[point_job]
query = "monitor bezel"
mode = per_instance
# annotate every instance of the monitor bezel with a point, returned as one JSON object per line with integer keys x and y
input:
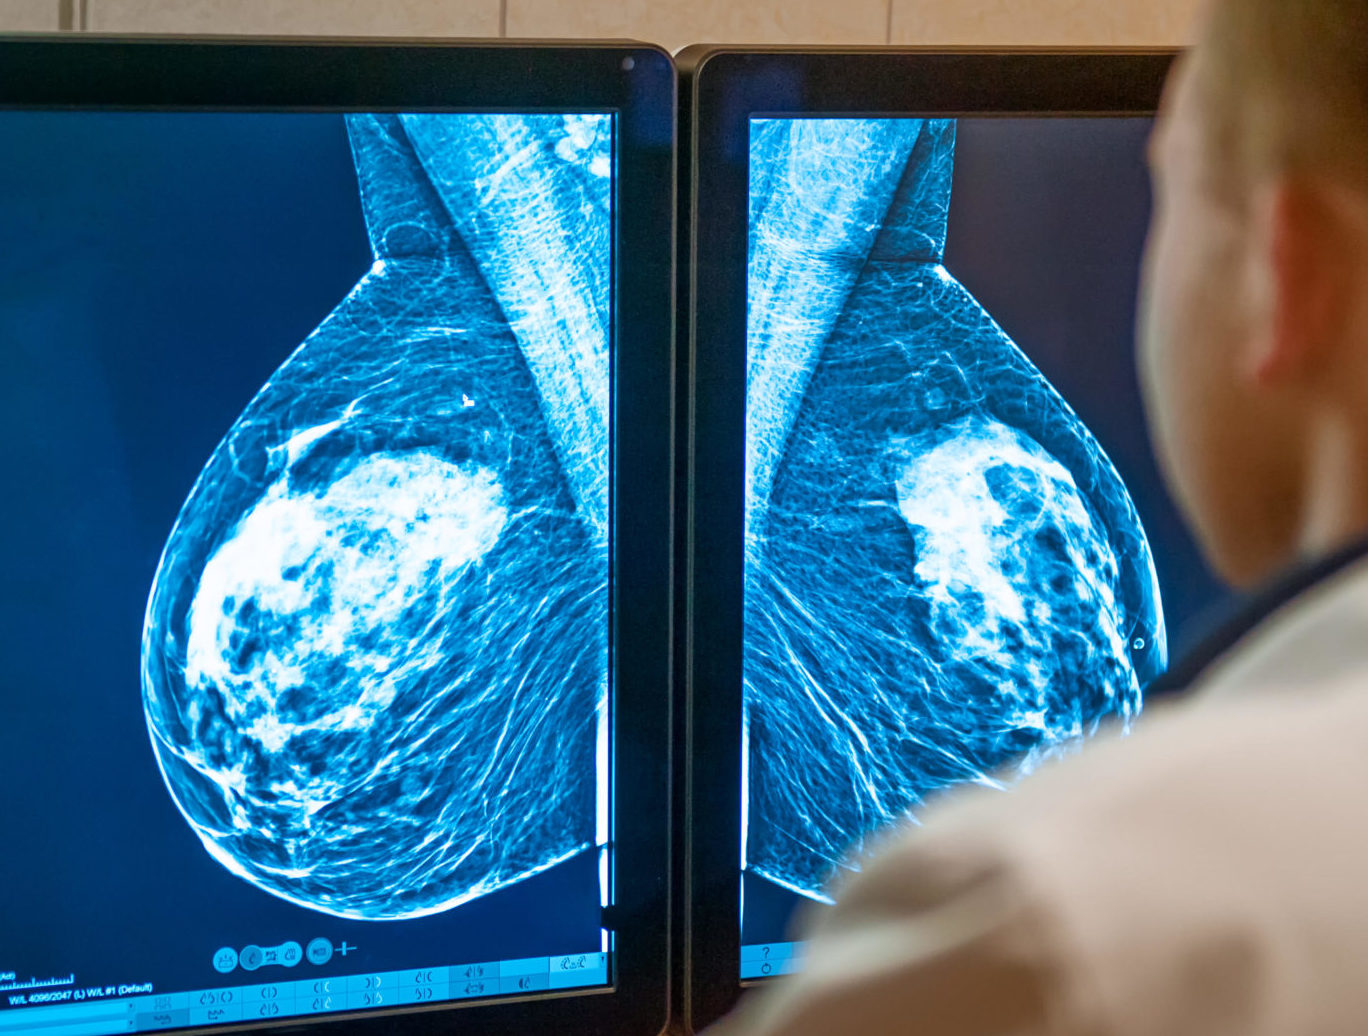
{"x": 637, "y": 82}
{"x": 721, "y": 89}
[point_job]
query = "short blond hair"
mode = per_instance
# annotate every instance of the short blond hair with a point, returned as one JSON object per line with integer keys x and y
{"x": 1288, "y": 80}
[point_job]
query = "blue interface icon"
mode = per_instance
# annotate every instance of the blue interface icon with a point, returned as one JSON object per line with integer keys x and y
{"x": 287, "y": 954}
{"x": 225, "y": 960}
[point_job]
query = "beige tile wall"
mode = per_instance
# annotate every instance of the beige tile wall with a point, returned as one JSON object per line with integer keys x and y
{"x": 672, "y": 23}
{"x": 28, "y": 15}
{"x": 1044, "y": 22}
{"x": 675, "y": 25}
{"x": 298, "y": 17}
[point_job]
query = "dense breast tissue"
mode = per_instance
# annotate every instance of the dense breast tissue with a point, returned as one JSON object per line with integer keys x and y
{"x": 375, "y": 657}
{"x": 946, "y": 580}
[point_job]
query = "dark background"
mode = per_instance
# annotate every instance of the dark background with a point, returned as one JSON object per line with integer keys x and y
{"x": 1047, "y": 225}
{"x": 155, "y": 269}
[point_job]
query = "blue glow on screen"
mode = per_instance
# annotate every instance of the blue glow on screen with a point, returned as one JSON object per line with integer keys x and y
{"x": 947, "y": 581}
{"x": 376, "y": 646}
{"x": 309, "y": 623}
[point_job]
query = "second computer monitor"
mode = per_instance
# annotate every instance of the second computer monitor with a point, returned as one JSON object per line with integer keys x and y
{"x": 931, "y": 548}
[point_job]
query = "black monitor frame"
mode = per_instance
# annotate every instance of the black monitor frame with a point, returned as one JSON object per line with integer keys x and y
{"x": 720, "y": 90}
{"x": 637, "y": 82}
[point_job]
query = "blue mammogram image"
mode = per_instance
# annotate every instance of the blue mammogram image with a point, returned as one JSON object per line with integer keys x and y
{"x": 375, "y": 655}
{"x": 946, "y": 580}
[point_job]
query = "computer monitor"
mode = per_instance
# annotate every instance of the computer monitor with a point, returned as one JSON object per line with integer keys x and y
{"x": 336, "y": 426}
{"x": 929, "y": 545}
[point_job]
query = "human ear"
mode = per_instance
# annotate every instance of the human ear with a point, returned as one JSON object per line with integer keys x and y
{"x": 1302, "y": 254}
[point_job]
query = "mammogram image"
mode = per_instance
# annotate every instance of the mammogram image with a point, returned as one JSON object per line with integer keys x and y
{"x": 946, "y": 580}
{"x": 375, "y": 655}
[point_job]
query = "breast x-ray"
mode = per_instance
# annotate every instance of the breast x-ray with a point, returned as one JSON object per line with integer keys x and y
{"x": 946, "y": 580}
{"x": 375, "y": 655}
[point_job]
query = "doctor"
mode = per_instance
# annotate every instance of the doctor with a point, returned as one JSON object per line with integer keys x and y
{"x": 1208, "y": 875}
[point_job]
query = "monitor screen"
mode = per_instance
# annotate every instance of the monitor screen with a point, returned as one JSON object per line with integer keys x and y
{"x": 960, "y": 561}
{"x": 306, "y": 428}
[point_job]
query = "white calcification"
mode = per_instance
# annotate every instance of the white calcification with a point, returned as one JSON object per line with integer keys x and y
{"x": 964, "y": 534}
{"x": 345, "y": 564}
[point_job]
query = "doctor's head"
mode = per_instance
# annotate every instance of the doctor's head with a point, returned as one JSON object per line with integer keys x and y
{"x": 1254, "y": 336}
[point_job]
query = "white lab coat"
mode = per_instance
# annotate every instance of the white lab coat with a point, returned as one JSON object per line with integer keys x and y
{"x": 1207, "y": 875}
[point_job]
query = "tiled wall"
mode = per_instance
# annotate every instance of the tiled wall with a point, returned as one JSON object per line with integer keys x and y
{"x": 672, "y": 23}
{"x": 28, "y": 15}
{"x": 298, "y": 17}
